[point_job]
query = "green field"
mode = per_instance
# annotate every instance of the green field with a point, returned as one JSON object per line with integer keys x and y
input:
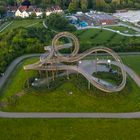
{"x": 123, "y": 29}
{"x": 2, "y": 26}
{"x": 69, "y": 129}
{"x": 57, "y": 99}
{"x": 25, "y": 23}
{"x": 83, "y": 100}
{"x": 91, "y": 37}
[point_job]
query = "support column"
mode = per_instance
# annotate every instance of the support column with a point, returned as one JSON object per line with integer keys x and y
{"x": 77, "y": 69}
{"x": 53, "y": 75}
{"x": 27, "y": 79}
{"x": 40, "y": 73}
{"x": 47, "y": 78}
{"x": 68, "y": 74}
{"x": 96, "y": 62}
{"x": 88, "y": 85}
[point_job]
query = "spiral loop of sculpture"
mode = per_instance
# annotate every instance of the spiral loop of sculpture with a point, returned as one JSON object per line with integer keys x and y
{"x": 71, "y": 37}
{"x": 53, "y": 58}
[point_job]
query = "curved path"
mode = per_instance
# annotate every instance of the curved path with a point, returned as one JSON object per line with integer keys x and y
{"x": 105, "y": 28}
{"x": 12, "y": 66}
{"x": 129, "y": 71}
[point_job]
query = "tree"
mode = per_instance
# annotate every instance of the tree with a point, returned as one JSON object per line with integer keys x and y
{"x": 58, "y": 2}
{"x": 100, "y": 4}
{"x": 58, "y": 22}
{"x": 109, "y": 1}
{"x": 2, "y": 10}
{"x": 33, "y": 15}
{"x": 84, "y": 5}
{"x": 11, "y": 2}
{"x": 72, "y": 6}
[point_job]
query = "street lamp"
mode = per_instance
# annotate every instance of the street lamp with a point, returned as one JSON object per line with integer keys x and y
{"x": 96, "y": 64}
{"x": 109, "y": 62}
{"x": 36, "y": 79}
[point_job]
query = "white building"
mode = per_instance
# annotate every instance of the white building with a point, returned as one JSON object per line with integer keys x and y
{"x": 25, "y": 12}
{"x": 53, "y": 9}
{"x": 22, "y": 12}
{"x": 38, "y": 12}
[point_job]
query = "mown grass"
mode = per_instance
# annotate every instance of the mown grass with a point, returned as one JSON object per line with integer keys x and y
{"x": 82, "y": 99}
{"x": 17, "y": 81}
{"x": 123, "y": 29}
{"x": 2, "y": 26}
{"x": 133, "y": 62}
{"x": 93, "y": 37}
{"x": 69, "y": 129}
{"x": 25, "y": 23}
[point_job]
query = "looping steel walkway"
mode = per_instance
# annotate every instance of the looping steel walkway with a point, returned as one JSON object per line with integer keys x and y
{"x": 54, "y": 58}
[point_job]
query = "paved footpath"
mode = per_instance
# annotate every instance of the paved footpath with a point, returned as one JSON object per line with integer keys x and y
{"x": 12, "y": 66}
{"x": 71, "y": 115}
{"x": 109, "y": 29}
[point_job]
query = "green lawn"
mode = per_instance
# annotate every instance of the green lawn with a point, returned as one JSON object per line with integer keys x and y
{"x": 123, "y": 29}
{"x": 25, "y": 23}
{"x": 133, "y": 62}
{"x": 69, "y": 129}
{"x": 2, "y": 26}
{"x": 19, "y": 78}
{"x": 93, "y": 37}
{"x": 82, "y": 100}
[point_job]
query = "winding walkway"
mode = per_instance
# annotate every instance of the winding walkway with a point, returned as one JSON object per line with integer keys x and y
{"x": 12, "y": 66}
{"x": 108, "y": 29}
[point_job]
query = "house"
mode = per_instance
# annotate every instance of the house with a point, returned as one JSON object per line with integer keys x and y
{"x": 53, "y": 9}
{"x": 24, "y": 11}
{"x": 38, "y": 12}
{"x": 102, "y": 18}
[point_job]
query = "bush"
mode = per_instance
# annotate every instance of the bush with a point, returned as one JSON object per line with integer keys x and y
{"x": 59, "y": 23}
{"x": 22, "y": 41}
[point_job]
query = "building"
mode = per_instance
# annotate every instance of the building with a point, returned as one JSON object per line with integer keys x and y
{"x": 38, "y": 12}
{"x": 84, "y": 19}
{"x": 101, "y": 18}
{"x": 53, "y": 9}
{"x": 22, "y": 12}
{"x": 25, "y": 12}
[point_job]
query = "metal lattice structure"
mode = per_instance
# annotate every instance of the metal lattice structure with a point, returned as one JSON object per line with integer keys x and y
{"x": 54, "y": 61}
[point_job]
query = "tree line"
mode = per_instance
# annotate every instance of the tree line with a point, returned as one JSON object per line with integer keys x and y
{"x": 76, "y": 5}
{"x": 22, "y": 41}
{"x": 19, "y": 41}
